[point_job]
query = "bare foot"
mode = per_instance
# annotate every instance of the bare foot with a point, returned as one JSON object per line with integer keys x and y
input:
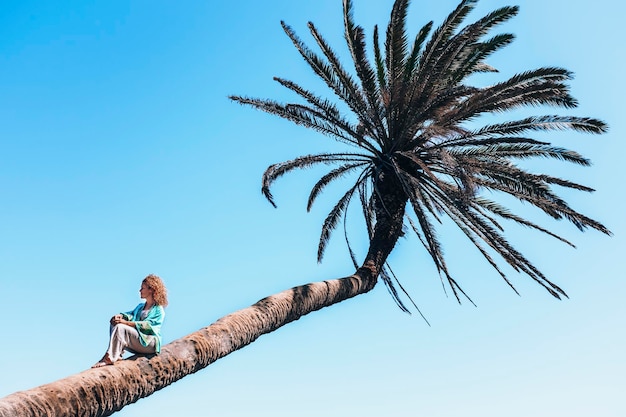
{"x": 105, "y": 361}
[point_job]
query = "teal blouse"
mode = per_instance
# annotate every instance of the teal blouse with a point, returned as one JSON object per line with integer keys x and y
{"x": 150, "y": 326}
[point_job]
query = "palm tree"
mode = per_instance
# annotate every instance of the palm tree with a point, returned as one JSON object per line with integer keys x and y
{"x": 408, "y": 145}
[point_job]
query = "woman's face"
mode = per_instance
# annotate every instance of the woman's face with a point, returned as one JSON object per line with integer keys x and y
{"x": 145, "y": 291}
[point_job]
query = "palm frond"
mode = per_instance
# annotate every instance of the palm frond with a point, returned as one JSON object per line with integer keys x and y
{"x": 443, "y": 33}
{"x": 466, "y": 219}
{"x": 436, "y": 45}
{"x": 328, "y": 178}
{"x": 541, "y": 123}
{"x": 518, "y": 148}
{"x": 380, "y": 66}
{"x": 340, "y": 82}
{"x": 332, "y": 219}
{"x": 391, "y": 288}
{"x": 462, "y": 46}
{"x": 391, "y": 282}
{"x": 543, "y": 199}
{"x": 428, "y": 234}
{"x": 397, "y": 43}
{"x": 300, "y": 115}
{"x": 543, "y": 86}
{"x": 411, "y": 67}
{"x": 503, "y": 212}
{"x": 273, "y": 172}
{"x": 472, "y": 60}
{"x": 548, "y": 179}
{"x": 331, "y": 113}
{"x": 355, "y": 40}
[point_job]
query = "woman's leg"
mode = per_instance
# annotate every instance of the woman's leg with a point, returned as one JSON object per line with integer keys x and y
{"x": 134, "y": 343}
{"x": 125, "y": 337}
{"x": 122, "y": 338}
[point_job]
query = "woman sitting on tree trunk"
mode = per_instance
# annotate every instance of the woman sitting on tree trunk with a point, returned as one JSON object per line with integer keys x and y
{"x": 139, "y": 330}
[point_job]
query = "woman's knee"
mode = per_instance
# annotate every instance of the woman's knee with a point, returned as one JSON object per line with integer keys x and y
{"x": 117, "y": 328}
{"x": 122, "y": 332}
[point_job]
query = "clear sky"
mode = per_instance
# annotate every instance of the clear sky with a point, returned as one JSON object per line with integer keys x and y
{"x": 120, "y": 156}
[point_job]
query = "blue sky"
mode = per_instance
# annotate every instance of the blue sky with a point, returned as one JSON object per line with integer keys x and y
{"x": 120, "y": 156}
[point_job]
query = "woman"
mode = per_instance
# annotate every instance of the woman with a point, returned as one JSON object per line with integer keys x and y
{"x": 139, "y": 330}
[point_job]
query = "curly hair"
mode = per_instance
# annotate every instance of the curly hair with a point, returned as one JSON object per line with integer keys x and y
{"x": 158, "y": 288}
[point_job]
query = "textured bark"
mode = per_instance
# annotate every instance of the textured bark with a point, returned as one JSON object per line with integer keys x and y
{"x": 103, "y": 391}
{"x": 389, "y": 218}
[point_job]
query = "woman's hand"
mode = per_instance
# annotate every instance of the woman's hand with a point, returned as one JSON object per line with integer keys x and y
{"x": 119, "y": 319}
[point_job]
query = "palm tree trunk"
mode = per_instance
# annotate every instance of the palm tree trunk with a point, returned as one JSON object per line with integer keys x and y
{"x": 103, "y": 391}
{"x": 389, "y": 218}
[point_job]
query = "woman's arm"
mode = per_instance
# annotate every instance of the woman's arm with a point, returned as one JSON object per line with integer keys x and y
{"x": 119, "y": 319}
{"x": 126, "y": 318}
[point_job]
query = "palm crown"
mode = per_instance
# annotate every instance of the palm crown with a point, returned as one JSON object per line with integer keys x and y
{"x": 409, "y": 107}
